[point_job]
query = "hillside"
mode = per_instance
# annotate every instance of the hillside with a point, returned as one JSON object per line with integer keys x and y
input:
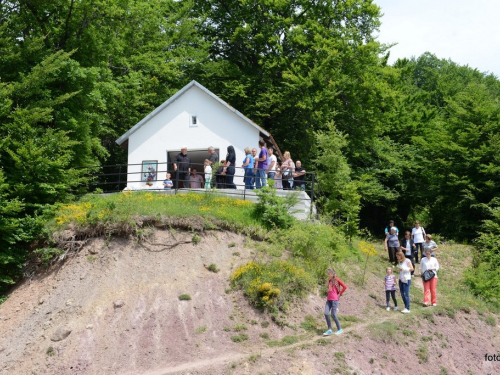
{"x": 119, "y": 298}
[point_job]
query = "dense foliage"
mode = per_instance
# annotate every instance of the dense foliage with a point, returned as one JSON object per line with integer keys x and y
{"x": 416, "y": 140}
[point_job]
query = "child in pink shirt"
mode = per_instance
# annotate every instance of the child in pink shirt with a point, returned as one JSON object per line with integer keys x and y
{"x": 335, "y": 289}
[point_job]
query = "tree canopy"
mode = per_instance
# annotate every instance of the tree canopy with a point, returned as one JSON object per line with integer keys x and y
{"x": 416, "y": 140}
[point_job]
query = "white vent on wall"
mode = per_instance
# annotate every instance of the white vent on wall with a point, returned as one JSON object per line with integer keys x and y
{"x": 193, "y": 121}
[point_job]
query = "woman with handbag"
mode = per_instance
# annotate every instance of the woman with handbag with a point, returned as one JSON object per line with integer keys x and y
{"x": 287, "y": 169}
{"x": 428, "y": 269}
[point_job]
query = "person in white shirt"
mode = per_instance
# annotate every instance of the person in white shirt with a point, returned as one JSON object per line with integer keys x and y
{"x": 405, "y": 268}
{"x": 271, "y": 166}
{"x": 208, "y": 173}
{"x": 418, "y": 235}
{"x": 429, "y": 263}
{"x": 430, "y": 244}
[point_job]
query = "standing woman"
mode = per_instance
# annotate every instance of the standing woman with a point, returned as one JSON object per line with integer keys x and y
{"x": 429, "y": 263}
{"x": 405, "y": 268}
{"x": 286, "y": 170}
{"x": 248, "y": 166}
{"x": 430, "y": 244}
{"x": 418, "y": 235}
{"x": 392, "y": 245}
{"x": 229, "y": 167}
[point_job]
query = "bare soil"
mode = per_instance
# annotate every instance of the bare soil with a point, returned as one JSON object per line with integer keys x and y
{"x": 120, "y": 300}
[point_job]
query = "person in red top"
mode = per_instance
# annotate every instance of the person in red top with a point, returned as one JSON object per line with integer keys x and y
{"x": 335, "y": 289}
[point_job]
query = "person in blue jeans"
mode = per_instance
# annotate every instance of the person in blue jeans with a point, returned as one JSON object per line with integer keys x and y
{"x": 248, "y": 166}
{"x": 262, "y": 163}
{"x": 405, "y": 268}
{"x": 335, "y": 289}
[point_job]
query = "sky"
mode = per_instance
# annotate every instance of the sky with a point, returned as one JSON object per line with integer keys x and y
{"x": 467, "y": 32}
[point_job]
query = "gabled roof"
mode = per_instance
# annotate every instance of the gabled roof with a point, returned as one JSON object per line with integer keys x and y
{"x": 124, "y": 138}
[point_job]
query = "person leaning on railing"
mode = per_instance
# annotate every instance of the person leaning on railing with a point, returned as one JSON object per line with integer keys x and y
{"x": 248, "y": 166}
{"x": 298, "y": 176}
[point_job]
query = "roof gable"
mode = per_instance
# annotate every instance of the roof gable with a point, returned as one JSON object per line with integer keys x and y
{"x": 124, "y": 138}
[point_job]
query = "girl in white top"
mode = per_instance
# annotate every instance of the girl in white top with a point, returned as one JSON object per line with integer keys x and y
{"x": 405, "y": 267}
{"x": 429, "y": 263}
{"x": 208, "y": 173}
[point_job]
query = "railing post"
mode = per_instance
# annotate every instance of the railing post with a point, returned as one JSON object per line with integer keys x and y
{"x": 176, "y": 180}
{"x": 312, "y": 195}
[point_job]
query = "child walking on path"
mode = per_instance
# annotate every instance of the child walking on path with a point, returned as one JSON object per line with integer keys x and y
{"x": 335, "y": 289}
{"x": 390, "y": 289}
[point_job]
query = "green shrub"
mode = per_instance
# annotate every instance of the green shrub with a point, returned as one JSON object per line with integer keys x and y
{"x": 240, "y": 327}
{"x": 213, "y": 268}
{"x": 264, "y": 335}
{"x": 273, "y": 211}
{"x": 239, "y": 338}
{"x": 273, "y": 283}
{"x": 483, "y": 276}
{"x": 185, "y": 297}
{"x": 232, "y": 244}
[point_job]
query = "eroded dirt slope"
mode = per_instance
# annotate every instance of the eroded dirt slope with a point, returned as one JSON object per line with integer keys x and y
{"x": 120, "y": 301}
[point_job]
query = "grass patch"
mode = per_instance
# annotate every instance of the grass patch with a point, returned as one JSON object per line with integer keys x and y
{"x": 50, "y": 351}
{"x": 491, "y": 320}
{"x": 322, "y": 342}
{"x": 239, "y": 338}
{"x": 310, "y": 324}
{"x": 383, "y": 332}
{"x": 201, "y": 329}
{"x": 213, "y": 268}
{"x": 264, "y": 335}
{"x": 196, "y": 239}
{"x": 236, "y": 254}
{"x": 185, "y": 297}
{"x": 232, "y": 244}
{"x": 254, "y": 358}
{"x": 226, "y": 329}
{"x": 264, "y": 324}
{"x": 285, "y": 341}
{"x": 240, "y": 327}
{"x": 91, "y": 258}
{"x": 423, "y": 353}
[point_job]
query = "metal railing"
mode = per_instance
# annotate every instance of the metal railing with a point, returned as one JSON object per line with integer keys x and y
{"x": 119, "y": 177}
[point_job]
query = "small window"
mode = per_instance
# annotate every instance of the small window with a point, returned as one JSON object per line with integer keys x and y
{"x": 194, "y": 121}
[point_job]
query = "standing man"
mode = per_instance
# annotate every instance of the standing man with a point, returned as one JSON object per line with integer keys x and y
{"x": 262, "y": 163}
{"x": 299, "y": 176}
{"x": 271, "y": 168}
{"x": 212, "y": 155}
{"x": 182, "y": 162}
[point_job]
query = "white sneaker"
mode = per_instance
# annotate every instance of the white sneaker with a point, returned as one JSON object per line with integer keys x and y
{"x": 388, "y": 308}
{"x": 405, "y": 311}
{"x": 396, "y": 308}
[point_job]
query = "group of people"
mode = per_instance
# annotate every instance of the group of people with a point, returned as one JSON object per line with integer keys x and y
{"x": 259, "y": 168}
{"x": 404, "y": 254}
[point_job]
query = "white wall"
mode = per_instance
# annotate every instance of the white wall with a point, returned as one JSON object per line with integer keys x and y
{"x": 170, "y": 130}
